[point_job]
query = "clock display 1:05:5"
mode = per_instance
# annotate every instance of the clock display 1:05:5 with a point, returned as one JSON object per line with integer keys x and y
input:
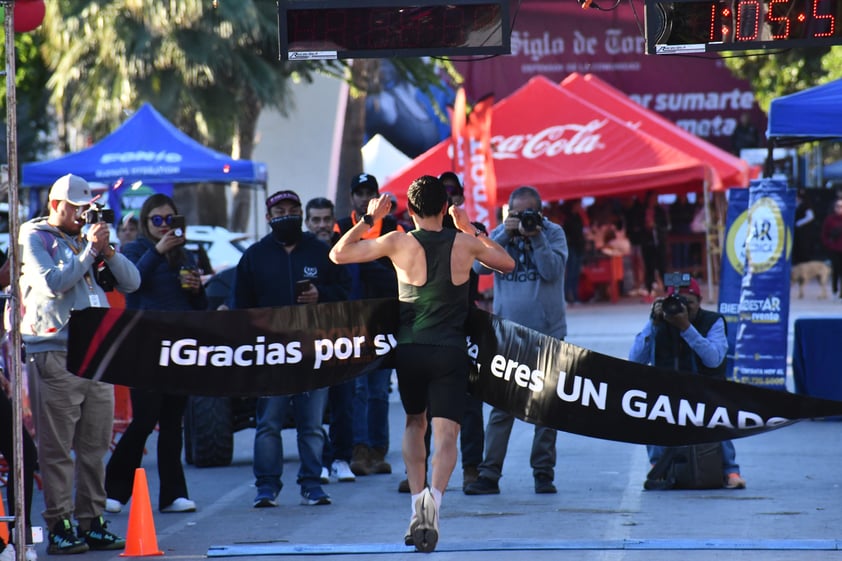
{"x": 735, "y": 21}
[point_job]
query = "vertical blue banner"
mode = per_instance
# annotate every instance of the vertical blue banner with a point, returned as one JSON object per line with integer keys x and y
{"x": 760, "y": 353}
{"x": 733, "y": 267}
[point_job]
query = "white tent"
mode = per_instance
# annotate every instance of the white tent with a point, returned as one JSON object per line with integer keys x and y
{"x": 382, "y": 160}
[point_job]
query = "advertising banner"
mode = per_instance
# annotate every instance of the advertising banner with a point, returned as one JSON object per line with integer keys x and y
{"x": 480, "y": 180}
{"x": 733, "y": 267}
{"x": 761, "y": 346}
{"x": 553, "y": 39}
{"x": 537, "y": 378}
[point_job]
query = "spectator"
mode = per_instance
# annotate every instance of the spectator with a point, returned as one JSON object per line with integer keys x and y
{"x": 30, "y": 460}
{"x": 634, "y": 219}
{"x": 371, "y": 280}
{"x": 692, "y": 340}
{"x": 267, "y": 275}
{"x": 540, "y": 253}
{"x": 681, "y": 214}
{"x": 73, "y": 415}
{"x": 127, "y": 230}
{"x": 653, "y": 243}
{"x": 574, "y": 230}
{"x": 745, "y": 135}
{"x": 832, "y": 240}
{"x": 336, "y": 457}
{"x": 169, "y": 281}
{"x": 431, "y": 356}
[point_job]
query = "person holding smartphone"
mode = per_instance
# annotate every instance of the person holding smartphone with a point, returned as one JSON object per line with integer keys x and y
{"x": 170, "y": 281}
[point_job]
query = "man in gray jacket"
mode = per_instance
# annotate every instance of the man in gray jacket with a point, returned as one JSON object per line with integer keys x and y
{"x": 533, "y": 296}
{"x": 73, "y": 415}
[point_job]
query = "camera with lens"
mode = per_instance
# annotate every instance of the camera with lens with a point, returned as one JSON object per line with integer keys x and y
{"x": 97, "y": 214}
{"x": 675, "y": 303}
{"x": 530, "y": 220}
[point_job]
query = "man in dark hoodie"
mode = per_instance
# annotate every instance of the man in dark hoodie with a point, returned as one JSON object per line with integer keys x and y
{"x": 288, "y": 267}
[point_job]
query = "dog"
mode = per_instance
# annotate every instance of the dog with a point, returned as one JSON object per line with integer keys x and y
{"x": 808, "y": 270}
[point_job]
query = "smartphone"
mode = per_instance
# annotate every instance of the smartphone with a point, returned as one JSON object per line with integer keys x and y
{"x": 301, "y": 287}
{"x": 178, "y": 225}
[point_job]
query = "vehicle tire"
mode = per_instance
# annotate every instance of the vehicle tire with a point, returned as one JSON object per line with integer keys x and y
{"x": 208, "y": 431}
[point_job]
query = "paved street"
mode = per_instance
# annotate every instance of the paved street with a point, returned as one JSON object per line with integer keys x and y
{"x": 791, "y": 510}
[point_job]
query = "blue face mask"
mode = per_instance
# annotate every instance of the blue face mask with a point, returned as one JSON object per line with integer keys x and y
{"x": 287, "y": 229}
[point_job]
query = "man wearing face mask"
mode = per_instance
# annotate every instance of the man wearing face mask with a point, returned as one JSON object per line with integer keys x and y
{"x": 288, "y": 267}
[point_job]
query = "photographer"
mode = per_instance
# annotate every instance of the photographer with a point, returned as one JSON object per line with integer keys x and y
{"x": 73, "y": 415}
{"x": 680, "y": 335}
{"x": 533, "y": 296}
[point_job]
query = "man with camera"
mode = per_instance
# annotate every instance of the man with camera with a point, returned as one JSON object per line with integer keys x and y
{"x": 533, "y": 296}
{"x": 680, "y": 335}
{"x": 62, "y": 270}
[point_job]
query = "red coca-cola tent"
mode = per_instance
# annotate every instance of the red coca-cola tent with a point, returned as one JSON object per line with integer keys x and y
{"x": 565, "y": 147}
{"x": 731, "y": 171}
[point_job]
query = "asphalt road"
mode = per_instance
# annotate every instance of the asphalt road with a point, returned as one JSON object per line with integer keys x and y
{"x": 791, "y": 509}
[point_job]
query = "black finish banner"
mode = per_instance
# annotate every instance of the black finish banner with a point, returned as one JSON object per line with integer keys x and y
{"x": 275, "y": 351}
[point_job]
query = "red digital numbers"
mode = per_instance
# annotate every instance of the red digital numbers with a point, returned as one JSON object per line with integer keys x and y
{"x": 780, "y": 23}
{"x": 776, "y": 20}
{"x": 827, "y": 19}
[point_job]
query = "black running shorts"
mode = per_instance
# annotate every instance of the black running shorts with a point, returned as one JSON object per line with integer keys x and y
{"x": 432, "y": 374}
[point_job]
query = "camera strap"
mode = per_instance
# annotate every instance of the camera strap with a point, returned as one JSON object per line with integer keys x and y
{"x": 93, "y": 297}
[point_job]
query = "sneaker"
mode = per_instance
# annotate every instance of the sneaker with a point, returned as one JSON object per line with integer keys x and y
{"x": 324, "y": 478}
{"x": 403, "y": 486}
{"x": 425, "y": 535}
{"x": 482, "y": 486}
{"x": 469, "y": 475}
{"x": 342, "y": 471}
{"x": 314, "y": 496}
{"x": 734, "y": 481}
{"x": 63, "y": 540}
{"x": 265, "y": 499}
{"x": 113, "y": 506}
{"x": 407, "y": 538}
{"x": 99, "y": 538}
{"x": 30, "y": 554}
{"x": 544, "y": 485}
{"x": 181, "y": 504}
{"x": 8, "y": 553}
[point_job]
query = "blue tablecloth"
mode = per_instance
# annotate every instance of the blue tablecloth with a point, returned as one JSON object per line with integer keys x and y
{"x": 817, "y": 357}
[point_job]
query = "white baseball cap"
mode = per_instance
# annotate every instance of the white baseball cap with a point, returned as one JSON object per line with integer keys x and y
{"x": 71, "y": 188}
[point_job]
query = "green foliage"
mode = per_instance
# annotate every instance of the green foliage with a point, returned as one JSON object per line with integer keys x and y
{"x": 776, "y": 74}
{"x": 32, "y": 99}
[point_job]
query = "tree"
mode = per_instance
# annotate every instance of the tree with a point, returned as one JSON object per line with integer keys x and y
{"x": 209, "y": 70}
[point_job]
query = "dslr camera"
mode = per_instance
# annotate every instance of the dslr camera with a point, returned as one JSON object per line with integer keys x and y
{"x": 97, "y": 214}
{"x": 675, "y": 303}
{"x": 530, "y": 220}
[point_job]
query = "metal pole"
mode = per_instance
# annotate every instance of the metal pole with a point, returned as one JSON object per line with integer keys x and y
{"x": 13, "y": 302}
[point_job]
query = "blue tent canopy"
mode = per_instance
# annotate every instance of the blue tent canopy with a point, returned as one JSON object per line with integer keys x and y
{"x": 811, "y": 114}
{"x": 149, "y": 149}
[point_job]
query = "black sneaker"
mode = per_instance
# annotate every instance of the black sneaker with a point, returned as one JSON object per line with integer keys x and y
{"x": 544, "y": 485}
{"x": 63, "y": 540}
{"x": 98, "y": 537}
{"x": 482, "y": 486}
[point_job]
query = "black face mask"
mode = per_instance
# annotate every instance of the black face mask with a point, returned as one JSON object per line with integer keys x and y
{"x": 287, "y": 229}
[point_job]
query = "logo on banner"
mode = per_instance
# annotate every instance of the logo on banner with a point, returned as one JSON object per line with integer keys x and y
{"x": 568, "y": 139}
{"x": 735, "y": 243}
{"x": 141, "y": 156}
{"x": 766, "y": 235}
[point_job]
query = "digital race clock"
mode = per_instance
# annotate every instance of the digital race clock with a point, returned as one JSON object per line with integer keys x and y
{"x": 738, "y": 25}
{"x": 331, "y": 29}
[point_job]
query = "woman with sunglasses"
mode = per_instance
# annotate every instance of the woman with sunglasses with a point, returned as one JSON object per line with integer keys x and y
{"x": 169, "y": 282}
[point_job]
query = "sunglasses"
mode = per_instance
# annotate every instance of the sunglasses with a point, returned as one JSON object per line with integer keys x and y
{"x": 158, "y": 220}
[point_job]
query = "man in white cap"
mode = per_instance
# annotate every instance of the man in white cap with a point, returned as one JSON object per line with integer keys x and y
{"x": 72, "y": 414}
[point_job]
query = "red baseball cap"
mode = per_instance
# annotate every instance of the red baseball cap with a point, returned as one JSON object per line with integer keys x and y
{"x": 693, "y": 289}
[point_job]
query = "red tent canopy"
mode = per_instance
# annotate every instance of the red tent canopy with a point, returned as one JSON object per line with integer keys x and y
{"x": 731, "y": 171}
{"x": 548, "y": 138}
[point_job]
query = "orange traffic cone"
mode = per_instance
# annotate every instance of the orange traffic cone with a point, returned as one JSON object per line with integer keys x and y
{"x": 141, "y": 540}
{"x": 4, "y": 528}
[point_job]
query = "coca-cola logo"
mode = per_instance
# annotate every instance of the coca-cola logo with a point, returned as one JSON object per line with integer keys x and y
{"x": 568, "y": 139}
